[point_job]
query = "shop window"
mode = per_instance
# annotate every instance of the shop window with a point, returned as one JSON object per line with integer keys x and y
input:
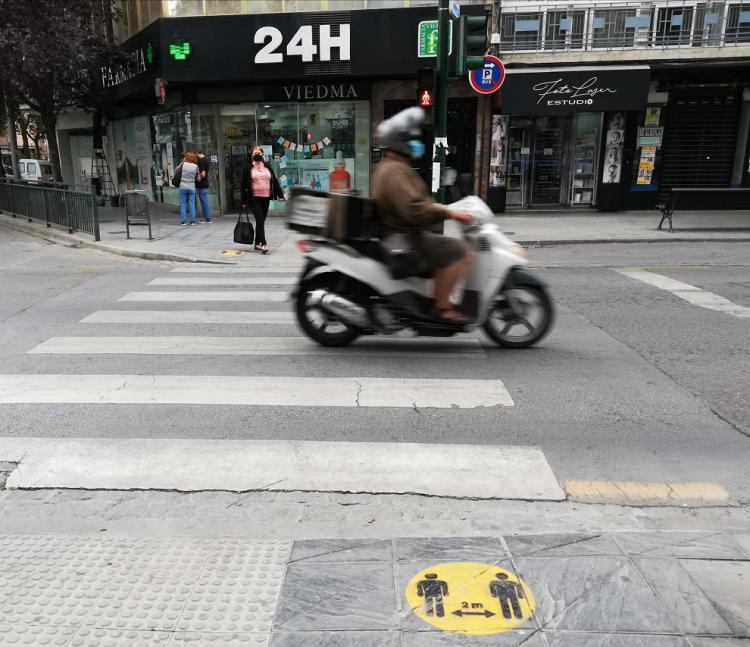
{"x": 738, "y": 24}
{"x": 673, "y": 26}
{"x": 707, "y": 30}
{"x": 150, "y": 11}
{"x": 565, "y": 30}
{"x": 302, "y": 5}
{"x": 217, "y": 7}
{"x": 178, "y": 8}
{"x": 323, "y": 146}
{"x": 609, "y": 28}
{"x": 521, "y": 31}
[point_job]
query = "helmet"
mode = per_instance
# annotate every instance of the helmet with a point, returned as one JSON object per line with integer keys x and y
{"x": 395, "y": 133}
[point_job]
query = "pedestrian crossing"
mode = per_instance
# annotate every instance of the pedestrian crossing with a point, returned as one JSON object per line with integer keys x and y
{"x": 383, "y": 374}
{"x": 399, "y": 389}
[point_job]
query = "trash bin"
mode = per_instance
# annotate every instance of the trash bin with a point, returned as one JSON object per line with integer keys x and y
{"x": 137, "y": 211}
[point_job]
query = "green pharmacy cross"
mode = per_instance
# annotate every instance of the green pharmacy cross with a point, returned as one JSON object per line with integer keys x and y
{"x": 179, "y": 50}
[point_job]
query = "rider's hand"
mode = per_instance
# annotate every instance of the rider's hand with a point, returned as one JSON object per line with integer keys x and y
{"x": 461, "y": 216}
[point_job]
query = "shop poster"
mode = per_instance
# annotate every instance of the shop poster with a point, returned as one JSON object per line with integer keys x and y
{"x": 646, "y": 165}
{"x": 497, "y": 150}
{"x": 653, "y": 114}
{"x": 612, "y": 167}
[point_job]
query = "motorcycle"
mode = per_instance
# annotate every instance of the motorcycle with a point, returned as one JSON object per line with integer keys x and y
{"x": 346, "y": 289}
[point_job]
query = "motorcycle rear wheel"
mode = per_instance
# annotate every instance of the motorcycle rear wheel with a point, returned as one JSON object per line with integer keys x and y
{"x": 505, "y": 318}
{"x": 319, "y": 325}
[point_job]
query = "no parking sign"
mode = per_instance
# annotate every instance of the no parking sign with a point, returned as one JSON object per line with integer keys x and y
{"x": 488, "y": 78}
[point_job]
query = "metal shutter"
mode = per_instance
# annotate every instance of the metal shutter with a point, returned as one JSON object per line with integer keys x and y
{"x": 700, "y": 137}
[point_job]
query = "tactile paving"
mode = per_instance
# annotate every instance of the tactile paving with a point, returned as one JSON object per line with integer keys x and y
{"x": 88, "y": 591}
{"x": 34, "y": 635}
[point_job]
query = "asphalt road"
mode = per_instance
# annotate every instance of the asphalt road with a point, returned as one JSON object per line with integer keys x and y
{"x": 634, "y": 383}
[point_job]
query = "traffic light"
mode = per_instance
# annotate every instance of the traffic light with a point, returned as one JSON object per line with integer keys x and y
{"x": 471, "y": 43}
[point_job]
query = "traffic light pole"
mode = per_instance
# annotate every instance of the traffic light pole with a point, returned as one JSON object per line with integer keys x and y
{"x": 441, "y": 93}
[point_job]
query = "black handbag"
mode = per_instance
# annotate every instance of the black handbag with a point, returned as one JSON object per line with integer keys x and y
{"x": 244, "y": 232}
{"x": 177, "y": 177}
{"x": 401, "y": 254}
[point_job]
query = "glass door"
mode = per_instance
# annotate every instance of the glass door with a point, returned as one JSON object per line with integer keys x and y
{"x": 548, "y": 160}
{"x": 585, "y": 147}
{"x": 519, "y": 149}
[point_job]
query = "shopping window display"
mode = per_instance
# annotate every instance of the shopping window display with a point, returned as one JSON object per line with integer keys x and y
{"x": 176, "y": 133}
{"x": 322, "y": 146}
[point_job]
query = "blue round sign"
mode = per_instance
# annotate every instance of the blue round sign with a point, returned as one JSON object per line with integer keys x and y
{"x": 488, "y": 78}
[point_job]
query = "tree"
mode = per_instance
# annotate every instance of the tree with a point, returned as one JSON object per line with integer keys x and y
{"x": 50, "y": 51}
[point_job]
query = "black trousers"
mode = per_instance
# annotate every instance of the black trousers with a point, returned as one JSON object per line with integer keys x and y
{"x": 259, "y": 207}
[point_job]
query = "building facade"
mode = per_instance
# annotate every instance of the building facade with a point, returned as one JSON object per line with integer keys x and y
{"x": 610, "y": 104}
{"x": 309, "y": 87}
{"x": 605, "y": 104}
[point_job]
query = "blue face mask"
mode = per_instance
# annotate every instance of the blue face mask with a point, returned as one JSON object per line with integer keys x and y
{"x": 416, "y": 148}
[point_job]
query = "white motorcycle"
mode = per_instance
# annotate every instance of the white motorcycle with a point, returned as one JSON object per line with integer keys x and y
{"x": 347, "y": 290}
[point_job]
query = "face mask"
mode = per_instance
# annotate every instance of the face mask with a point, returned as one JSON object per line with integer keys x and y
{"x": 257, "y": 157}
{"x": 416, "y": 148}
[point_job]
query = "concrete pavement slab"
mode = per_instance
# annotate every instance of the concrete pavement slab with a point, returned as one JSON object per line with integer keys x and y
{"x": 93, "y": 590}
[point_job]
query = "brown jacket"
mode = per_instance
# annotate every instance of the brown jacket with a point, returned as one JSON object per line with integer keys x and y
{"x": 402, "y": 199}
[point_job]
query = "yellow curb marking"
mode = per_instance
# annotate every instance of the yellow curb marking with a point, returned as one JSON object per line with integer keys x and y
{"x": 232, "y": 252}
{"x": 639, "y": 491}
{"x": 470, "y": 598}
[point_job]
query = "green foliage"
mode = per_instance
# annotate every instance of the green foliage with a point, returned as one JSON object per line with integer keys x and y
{"x": 51, "y": 49}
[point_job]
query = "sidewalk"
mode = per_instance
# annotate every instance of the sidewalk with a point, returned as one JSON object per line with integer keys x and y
{"x": 207, "y": 242}
{"x": 622, "y": 589}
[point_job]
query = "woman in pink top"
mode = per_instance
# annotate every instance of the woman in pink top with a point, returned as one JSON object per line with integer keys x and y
{"x": 259, "y": 187}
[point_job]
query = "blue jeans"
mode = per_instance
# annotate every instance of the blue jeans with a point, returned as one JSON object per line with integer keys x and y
{"x": 187, "y": 195}
{"x": 205, "y": 207}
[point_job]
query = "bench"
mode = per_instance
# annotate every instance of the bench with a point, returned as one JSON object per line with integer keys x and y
{"x": 694, "y": 193}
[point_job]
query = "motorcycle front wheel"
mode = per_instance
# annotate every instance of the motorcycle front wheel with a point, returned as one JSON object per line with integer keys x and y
{"x": 319, "y": 325}
{"x": 520, "y": 317}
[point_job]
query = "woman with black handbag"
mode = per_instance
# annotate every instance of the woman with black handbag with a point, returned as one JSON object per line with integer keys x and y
{"x": 259, "y": 187}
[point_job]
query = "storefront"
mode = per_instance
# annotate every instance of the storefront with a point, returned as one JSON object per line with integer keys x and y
{"x": 559, "y": 137}
{"x": 301, "y": 85}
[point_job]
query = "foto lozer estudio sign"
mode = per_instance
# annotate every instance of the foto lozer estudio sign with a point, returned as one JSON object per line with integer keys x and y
{"x": 555, "y": 91}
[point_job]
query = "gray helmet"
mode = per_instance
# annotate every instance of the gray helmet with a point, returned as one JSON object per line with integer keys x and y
{"x": 395, "y": 133}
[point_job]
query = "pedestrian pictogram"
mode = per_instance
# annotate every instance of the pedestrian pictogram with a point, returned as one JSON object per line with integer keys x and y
{"x": 425, "y": 98}
{"x": 470, "y": 597}
{"x": 488, "y": 78}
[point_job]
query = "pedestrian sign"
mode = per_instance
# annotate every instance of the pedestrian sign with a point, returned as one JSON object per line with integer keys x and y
{"x": 488, "y": 78}
{"x": 470, "y": 598}
{"x": 427, "y": 40}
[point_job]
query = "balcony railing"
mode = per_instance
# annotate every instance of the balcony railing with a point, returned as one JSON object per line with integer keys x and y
{"x": 592, "y": 25}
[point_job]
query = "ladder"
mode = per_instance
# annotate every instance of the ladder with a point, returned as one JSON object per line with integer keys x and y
{"x": 100, "y": 176}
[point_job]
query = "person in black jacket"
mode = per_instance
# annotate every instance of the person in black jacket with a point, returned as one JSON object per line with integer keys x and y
{"x": 259, "y": 187}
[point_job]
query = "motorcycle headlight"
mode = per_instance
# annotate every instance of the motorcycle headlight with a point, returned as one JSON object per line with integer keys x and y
{"x": 518, "y": 250}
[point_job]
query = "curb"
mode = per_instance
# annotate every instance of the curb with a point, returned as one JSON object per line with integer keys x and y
{"x": 604, "y": 241}
{"x": 58, "y": 237}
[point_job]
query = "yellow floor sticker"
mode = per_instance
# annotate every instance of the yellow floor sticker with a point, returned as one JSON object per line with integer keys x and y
{"x": 232, "y": 252}
{"x": 470, "y": 597}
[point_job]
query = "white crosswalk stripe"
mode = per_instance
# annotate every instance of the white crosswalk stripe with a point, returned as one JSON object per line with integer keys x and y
{"x": 254, "y": 391}
{"x": 238, "y": 269}
{"x": 220, "y": 280}
{"x": 215, "y": 295}
{"x": 189, "y": 317}
{"x": 274, "y": 346}
{"x": 689, "y": 293}
{"x": 487, "y": 472}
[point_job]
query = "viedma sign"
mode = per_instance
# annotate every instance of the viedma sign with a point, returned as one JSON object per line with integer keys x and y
{"x": 584, "y": 89}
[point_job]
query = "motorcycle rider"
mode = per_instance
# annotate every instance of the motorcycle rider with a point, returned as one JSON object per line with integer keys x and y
{"x": 405, "y": 206}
